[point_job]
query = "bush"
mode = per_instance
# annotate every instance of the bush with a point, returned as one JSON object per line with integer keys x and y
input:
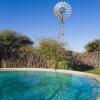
{"x": 69, "y": 59}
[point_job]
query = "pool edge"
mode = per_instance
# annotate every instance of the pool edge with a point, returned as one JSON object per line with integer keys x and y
{"x": 97, "y": 77}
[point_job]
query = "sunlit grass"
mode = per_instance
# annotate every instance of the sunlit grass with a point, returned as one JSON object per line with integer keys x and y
{"x": 95, "y": 71}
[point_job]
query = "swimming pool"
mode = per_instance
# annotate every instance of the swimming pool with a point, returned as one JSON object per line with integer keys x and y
{"x": 37, "y": 85}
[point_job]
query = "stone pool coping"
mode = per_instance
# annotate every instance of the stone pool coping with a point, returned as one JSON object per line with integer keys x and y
{"x": 97, "y": 77}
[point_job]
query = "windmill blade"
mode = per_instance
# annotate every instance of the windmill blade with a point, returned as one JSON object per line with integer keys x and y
{"x": 68, "y": 5}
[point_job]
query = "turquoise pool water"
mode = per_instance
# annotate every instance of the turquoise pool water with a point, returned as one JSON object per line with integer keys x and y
{"x": 47, "y": 86}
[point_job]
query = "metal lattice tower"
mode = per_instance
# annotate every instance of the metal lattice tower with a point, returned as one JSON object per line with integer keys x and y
{"x": 62, "y": 10}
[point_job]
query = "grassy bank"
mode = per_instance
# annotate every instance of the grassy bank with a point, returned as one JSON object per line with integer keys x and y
{"x": 95, "y": 71}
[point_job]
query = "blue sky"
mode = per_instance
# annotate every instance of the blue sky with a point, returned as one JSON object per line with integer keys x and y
{"x": 35, "y": 19}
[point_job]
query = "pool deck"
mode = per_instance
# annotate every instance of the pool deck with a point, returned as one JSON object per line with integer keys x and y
{"x": 97, "y": 77}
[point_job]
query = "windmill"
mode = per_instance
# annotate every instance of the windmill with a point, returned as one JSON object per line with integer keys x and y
{"x": 62, "y": 10}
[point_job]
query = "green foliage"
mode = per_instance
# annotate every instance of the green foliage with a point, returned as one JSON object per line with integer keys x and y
{"x": 53, "y": 51}
{"x": 10, "y": 40}
{"x": 51, "y": 48}
{"x": 93, "y": 46}
{"x": 69, "y": 59}
{"x": 66, "y": 63}
{"x": 62, "y": 65}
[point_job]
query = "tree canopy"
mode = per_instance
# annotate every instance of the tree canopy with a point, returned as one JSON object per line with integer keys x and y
{"x": 51, "y": 48}
{"x": 10, "y": 40}
{"x": 93, "y": 46}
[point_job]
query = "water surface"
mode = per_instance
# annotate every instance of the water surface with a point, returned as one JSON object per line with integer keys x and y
{"x": 47, "y": 86}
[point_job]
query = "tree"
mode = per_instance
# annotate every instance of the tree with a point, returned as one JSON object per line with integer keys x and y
{"x": 11, "y": 40}
{"x": 53, "y": 51}
{"x": 93, "y": 46}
